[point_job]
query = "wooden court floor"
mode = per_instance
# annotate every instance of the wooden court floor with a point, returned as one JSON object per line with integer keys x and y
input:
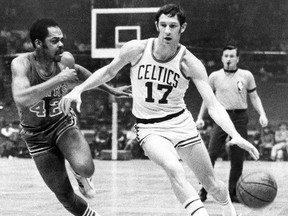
{"x": 124, "y": 188}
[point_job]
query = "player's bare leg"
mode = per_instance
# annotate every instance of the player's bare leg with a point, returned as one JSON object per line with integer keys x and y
{"x": 85, "y": 185}
{"x": 162, "y": 152}
{"x": 77, "y": 151}
{"x": 197, "y": 158}
{"x": 52, "y": 168}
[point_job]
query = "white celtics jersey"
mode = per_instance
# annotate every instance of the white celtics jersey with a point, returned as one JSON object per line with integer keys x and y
{"x": 158, "y": 87}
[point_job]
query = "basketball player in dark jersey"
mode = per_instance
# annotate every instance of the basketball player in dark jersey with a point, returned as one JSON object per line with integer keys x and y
{"x": 161, "y": 69}
{"x": 39, "y": 81}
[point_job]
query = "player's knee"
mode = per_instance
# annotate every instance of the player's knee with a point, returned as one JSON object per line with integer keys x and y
{"x": 87, "y": 171}
{"x": 84, "y": 169}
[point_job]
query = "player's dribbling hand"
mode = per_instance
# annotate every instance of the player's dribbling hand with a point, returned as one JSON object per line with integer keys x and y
{"x": 66, "y": 101}
{"x": 244, "y": 144}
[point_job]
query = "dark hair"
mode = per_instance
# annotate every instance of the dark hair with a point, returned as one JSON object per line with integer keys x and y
{"x": 39, "y": 29}
{"x": 171, "y": 10}
{"x": 231, "y": 47}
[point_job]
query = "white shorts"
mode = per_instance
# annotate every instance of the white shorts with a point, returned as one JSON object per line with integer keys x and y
{"x": 181, "y": 131}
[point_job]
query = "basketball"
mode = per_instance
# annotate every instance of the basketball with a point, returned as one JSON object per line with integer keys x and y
{"x": 257, "y": 189}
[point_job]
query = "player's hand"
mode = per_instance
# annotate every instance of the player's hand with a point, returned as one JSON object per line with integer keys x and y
{"x": 122, "y": 91}
{"x": 263, "y": 121}
{"x": 200, "y": 123}
{"x": 68, "y": 74}
{"x": 66, "y": 101}
{"x": 244, "y": 144}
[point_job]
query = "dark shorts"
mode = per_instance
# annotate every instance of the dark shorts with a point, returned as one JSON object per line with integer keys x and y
{"x": 41, "y": 140}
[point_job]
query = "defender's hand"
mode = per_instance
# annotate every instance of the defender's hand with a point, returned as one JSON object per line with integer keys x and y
{"x": 244, "y": 144}
{"x": 66, "y": 101}
{"x": 122, "y": 91}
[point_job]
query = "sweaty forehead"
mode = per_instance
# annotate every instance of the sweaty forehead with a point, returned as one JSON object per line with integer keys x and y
{"x": 54, "y": 32}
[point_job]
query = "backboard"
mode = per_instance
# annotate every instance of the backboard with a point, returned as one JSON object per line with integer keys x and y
{"x": 112, "y": 27}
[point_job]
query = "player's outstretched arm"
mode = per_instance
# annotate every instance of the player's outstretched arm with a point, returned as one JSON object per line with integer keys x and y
{"x": 102, "y": 75}
{"x": 244, "y": 144}
{"x": 122, "y": 91}
{"x": 194, "y": 68}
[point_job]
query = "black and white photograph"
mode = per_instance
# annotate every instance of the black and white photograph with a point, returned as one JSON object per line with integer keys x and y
{"x": 143, "y": 108}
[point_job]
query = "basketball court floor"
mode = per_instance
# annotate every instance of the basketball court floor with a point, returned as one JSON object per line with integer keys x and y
{"x": 124, "y": 188}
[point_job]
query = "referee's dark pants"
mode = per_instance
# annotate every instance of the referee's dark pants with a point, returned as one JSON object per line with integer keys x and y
{"x": 217, "y": 141}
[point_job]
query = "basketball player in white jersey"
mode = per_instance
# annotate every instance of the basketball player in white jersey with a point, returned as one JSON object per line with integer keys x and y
{"x": 160, "y": 72}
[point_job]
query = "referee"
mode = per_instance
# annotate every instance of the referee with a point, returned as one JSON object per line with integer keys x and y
{"x": 231, "y": 86}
